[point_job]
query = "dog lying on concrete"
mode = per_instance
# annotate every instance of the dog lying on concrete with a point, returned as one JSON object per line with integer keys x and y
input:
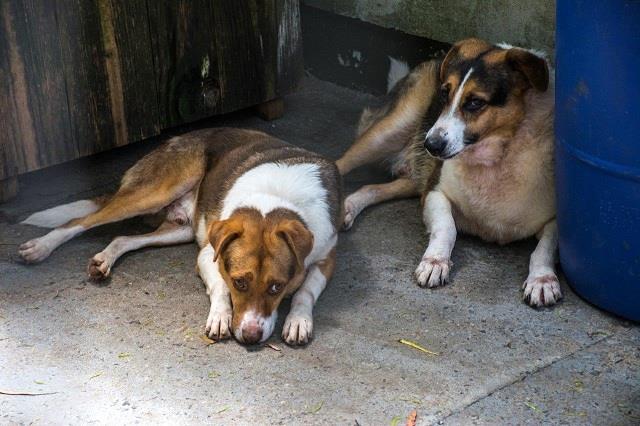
{"x": 473, "y": 135}
{"x": 264, "y": 213}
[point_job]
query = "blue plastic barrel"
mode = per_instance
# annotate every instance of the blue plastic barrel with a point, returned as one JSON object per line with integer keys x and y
{"x": 597, "y": 128}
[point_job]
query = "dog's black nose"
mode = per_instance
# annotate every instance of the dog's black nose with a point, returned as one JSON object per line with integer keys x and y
{"x": 435, "y": 144}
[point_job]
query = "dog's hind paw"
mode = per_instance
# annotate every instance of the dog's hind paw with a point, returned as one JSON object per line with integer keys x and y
{"x": 297, "y": 329}
{"x": 34, "y": 251}
{"x": 352, "y": 207}
{"x": 541, "y": 290}
{"x": 218, "y": 324}
{"x": 99, "y": 267}
{"x": 433, "y": 271}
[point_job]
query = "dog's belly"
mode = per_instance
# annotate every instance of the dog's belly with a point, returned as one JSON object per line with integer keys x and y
{"x": 497, "y": 211}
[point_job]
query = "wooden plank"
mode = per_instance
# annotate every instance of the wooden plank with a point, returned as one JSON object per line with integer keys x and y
{"x": 183, "y": 45}
{"x": 41, "y": 131}
{"x": 12, "y": 159}
{"x": 221, "y": 56}
{"x": 83, "y": 55}
{"x": 129, "y": 68}
{"x": 241, "y": 64}
{"x": 271, "y": 110}
{"x": 289, "y": 46}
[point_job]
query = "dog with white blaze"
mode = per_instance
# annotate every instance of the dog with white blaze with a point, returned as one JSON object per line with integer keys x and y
{"x": 472, "y": 134}
{"x": 264, "y": 213}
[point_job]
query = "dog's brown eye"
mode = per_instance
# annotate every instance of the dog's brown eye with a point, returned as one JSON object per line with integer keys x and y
{"x": 240, "y": 284}
{"x": 474, "y": 104}
{"x": 275, "y": 288}
{"x": 444, "y": 92}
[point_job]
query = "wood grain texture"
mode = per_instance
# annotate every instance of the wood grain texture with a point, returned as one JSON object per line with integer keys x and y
{"x": 271, "y": 110}
{"x": 129, "y": 62}
{"x": 217, "y": 57}
{"x": 35, "y": 87}
{"x": 83, "y": 76}
{"x": 84, "y": 69}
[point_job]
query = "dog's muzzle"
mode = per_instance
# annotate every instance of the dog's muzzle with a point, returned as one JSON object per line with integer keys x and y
{"x": 435, "y": 145}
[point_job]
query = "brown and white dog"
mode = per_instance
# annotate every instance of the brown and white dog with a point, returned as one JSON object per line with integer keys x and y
{"x": 264, "y": 213}
{"x": 485, "y": 115}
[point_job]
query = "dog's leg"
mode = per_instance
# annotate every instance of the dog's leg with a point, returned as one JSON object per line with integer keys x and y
{"x": 118, "y": 208}
{"x": 384, "y": 138}
{"x": 220, "y": 315}
{"x": 298, "y": 326}
{"x": 126, "y": 203}
{"x": 374, "y": 194}
{"x": 167, "y": 234}
{"x": 156, "y": 180}
{"x": 542, "y": 287}
{"x": 395, "y": 123}
{"x": 433, "y": 270}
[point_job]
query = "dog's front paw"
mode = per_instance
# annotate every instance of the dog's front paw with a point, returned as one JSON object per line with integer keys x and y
{"x": 541, "y": 290}
{"x": 297, "y": 329}
{"x": 433, "y": 271}
{"x": 34, "y": 251}
{"x": 218, "y": 324}
{"x": 99, "y": 267}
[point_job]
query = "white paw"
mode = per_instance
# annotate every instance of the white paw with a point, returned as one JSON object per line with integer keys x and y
{"x": 433, "y": 271}
{"x": 541, "y": 290}
{"x": 99, "y": 267}
{"x": 297, "y": 329}
{"x": 34, "y": 251}
{"x": 352, "y": 209}
{"x": 218, "y": 323}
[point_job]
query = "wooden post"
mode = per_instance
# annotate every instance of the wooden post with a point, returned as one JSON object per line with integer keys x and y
{"x": 8, "y": 188}
{"x": 271, "y": 110}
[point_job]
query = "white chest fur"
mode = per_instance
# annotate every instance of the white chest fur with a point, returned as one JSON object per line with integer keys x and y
{"x": 297, "y": 187}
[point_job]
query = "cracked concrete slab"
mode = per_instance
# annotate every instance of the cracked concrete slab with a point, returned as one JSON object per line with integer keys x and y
{"x": 130, "y": 350}
{"x": 596, "y": 385}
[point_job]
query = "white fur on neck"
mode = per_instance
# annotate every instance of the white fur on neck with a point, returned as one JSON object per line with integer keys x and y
{"x": 296, "y": 187}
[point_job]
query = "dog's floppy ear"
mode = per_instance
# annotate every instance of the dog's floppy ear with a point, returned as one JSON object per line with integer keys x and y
{"x": 298, "y": 238}
{"x": 452, "y": 53}
{"x": 533, "y": 67}
{"x": 222, "y": 232}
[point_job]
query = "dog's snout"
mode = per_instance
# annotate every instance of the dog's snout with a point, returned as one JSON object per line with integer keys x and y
{"x": 251, "y": 333}
{"x": 435, "y": 144}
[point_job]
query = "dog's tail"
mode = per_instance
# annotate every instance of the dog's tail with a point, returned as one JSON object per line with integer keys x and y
{"x": 59, "y": 215}
{"x": 397, "y": 71}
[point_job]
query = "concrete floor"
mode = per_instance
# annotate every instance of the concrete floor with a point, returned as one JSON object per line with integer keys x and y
{"x": 130, "y": 351}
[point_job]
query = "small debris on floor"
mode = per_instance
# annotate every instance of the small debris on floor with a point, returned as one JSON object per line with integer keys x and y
{"x": 96, "y": 374}
{"x": 272, "y": 346}
{"x": 411, "y": 420}
{"x": 315, "y": 408}
{"x": 22, "y": 393}
{"x": 532, "y": 406}
{"x": 206, "y": 340}
{"x": 414, "y": 345}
